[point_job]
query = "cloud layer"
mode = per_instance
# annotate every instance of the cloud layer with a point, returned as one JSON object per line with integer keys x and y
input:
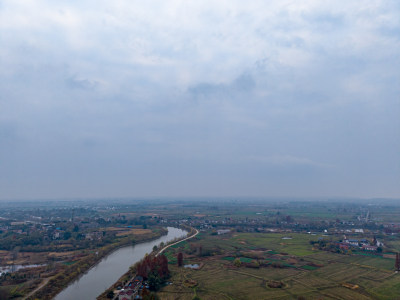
{"x": 126, "y": 98}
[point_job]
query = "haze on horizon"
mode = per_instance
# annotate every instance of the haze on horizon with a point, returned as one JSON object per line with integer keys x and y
{"x": 173, "y": 98}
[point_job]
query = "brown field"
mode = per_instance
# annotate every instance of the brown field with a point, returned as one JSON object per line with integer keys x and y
{"x": 62, "y": 254}
{"x": 315, "y": 275}
{"x": 25, "y": 258}
{"x": 126, "y": 214}
{"x": 134, "y": 231}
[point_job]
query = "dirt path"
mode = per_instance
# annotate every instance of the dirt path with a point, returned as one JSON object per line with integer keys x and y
{"x": 166, "y": 247}
{"x": 44, "y": 282}
{"x": 161, "y": 251}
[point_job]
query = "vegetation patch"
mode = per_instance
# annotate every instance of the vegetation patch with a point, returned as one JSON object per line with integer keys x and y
{"x": 307, "y": 267}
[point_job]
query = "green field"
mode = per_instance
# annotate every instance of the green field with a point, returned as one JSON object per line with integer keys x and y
{"x": 304, "y": 273}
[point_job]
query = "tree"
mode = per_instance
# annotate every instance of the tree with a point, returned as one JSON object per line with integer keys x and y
{"x": 237, "y": 262}
{"x": 4, "y": 294}
{"x": 153, "y": 264}
{"x": 67, "y": 235}
{"x": 110, "y": 295}
{"x": 180, "y": 259}
{"x": 154, "y": 281}
{"x": 397, "y": 263}
{"x": 149, "y": 296}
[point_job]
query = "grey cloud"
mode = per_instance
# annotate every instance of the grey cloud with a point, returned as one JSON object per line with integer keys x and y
{"x": 205, "y": 89}
{"x": 9, "y": 137}
{"x": 81, "y": 83}
{"x": 292, "y": 100}
{"x": 242, "y": 84}
{"x": 7, "y": 131}
{"x": 325, "y": 21}
{"x": 288, "y": 161}
{"x": 390, "y": 31}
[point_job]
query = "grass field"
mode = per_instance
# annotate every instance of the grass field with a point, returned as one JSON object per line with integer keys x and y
{"x": 302, "y": 272}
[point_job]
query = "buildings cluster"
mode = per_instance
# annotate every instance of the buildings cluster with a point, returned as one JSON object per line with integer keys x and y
{"x": 362, "y": 244}
{"x": 132, "y": 290}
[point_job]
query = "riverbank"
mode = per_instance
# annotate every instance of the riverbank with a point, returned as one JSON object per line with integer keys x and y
{"x": 71, "y": 273}
{"x": 131, "y": 273}
{"x": 192, "y": 235}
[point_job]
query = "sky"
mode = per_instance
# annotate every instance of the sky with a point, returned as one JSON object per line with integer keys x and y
{"x": 173, "y": 98}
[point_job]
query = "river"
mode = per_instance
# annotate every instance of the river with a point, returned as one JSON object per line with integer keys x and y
{"x": 110, "y": 268}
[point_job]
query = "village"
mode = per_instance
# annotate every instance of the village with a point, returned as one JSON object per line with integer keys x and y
{"x": 50, "y": 239}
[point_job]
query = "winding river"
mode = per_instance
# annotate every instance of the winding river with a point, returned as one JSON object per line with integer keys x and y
{"x": 110, "y": 268}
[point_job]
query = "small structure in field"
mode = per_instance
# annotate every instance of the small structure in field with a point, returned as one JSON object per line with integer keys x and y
{"x": 350, "y": 286}
{"x": 276, "y": 284}
{"x": 193, "y": 266}
{"x": 223, "y": 231}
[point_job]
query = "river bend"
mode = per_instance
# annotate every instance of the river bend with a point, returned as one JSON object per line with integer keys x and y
{"x": 113, "y": 266}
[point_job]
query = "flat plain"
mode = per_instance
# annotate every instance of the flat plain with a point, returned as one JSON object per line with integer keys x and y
{"x": 267, "y": 258}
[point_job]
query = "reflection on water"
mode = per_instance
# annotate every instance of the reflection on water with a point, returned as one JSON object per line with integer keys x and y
{"x": 14, "y": 268}
{"x": 110, "y": 268}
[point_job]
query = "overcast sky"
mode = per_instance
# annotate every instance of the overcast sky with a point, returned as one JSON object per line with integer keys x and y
{"x": 199, "y": 98}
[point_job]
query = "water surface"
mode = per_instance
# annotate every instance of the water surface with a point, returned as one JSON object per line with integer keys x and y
{"x": 14, "y": 268}
{"x": 111, "y": 267}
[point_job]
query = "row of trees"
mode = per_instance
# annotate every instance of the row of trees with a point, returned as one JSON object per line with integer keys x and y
{"x": 40, "y": 241}
{"x": 154, "y": 269}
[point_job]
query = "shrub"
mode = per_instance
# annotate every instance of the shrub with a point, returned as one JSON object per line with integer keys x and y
{"x": 237, "y": 262}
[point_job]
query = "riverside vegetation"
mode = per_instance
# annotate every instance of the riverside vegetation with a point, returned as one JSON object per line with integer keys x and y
{"x": 64, "y": 242}
{"x": 247, "y": 248}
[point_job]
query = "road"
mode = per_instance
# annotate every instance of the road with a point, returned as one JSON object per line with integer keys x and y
{"x": 189, "y": 237}
{"x": 44, "y": 282}
{"x": 159, "y": 252}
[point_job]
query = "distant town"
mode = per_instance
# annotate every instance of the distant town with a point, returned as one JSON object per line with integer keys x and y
{"x": 45, "y": 246}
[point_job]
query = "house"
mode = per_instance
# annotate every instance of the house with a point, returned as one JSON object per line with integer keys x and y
{"x": 223, "y": 231}
{"x": 130, "y": 291}
{"x": 369, "y": 248}
{"x": 351, "y": 242}
{"x": 95, "y": 235}
{"x": 126, "y": 295}
{"x": 344, "y": 246}
{"x": 122, "y": 295}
